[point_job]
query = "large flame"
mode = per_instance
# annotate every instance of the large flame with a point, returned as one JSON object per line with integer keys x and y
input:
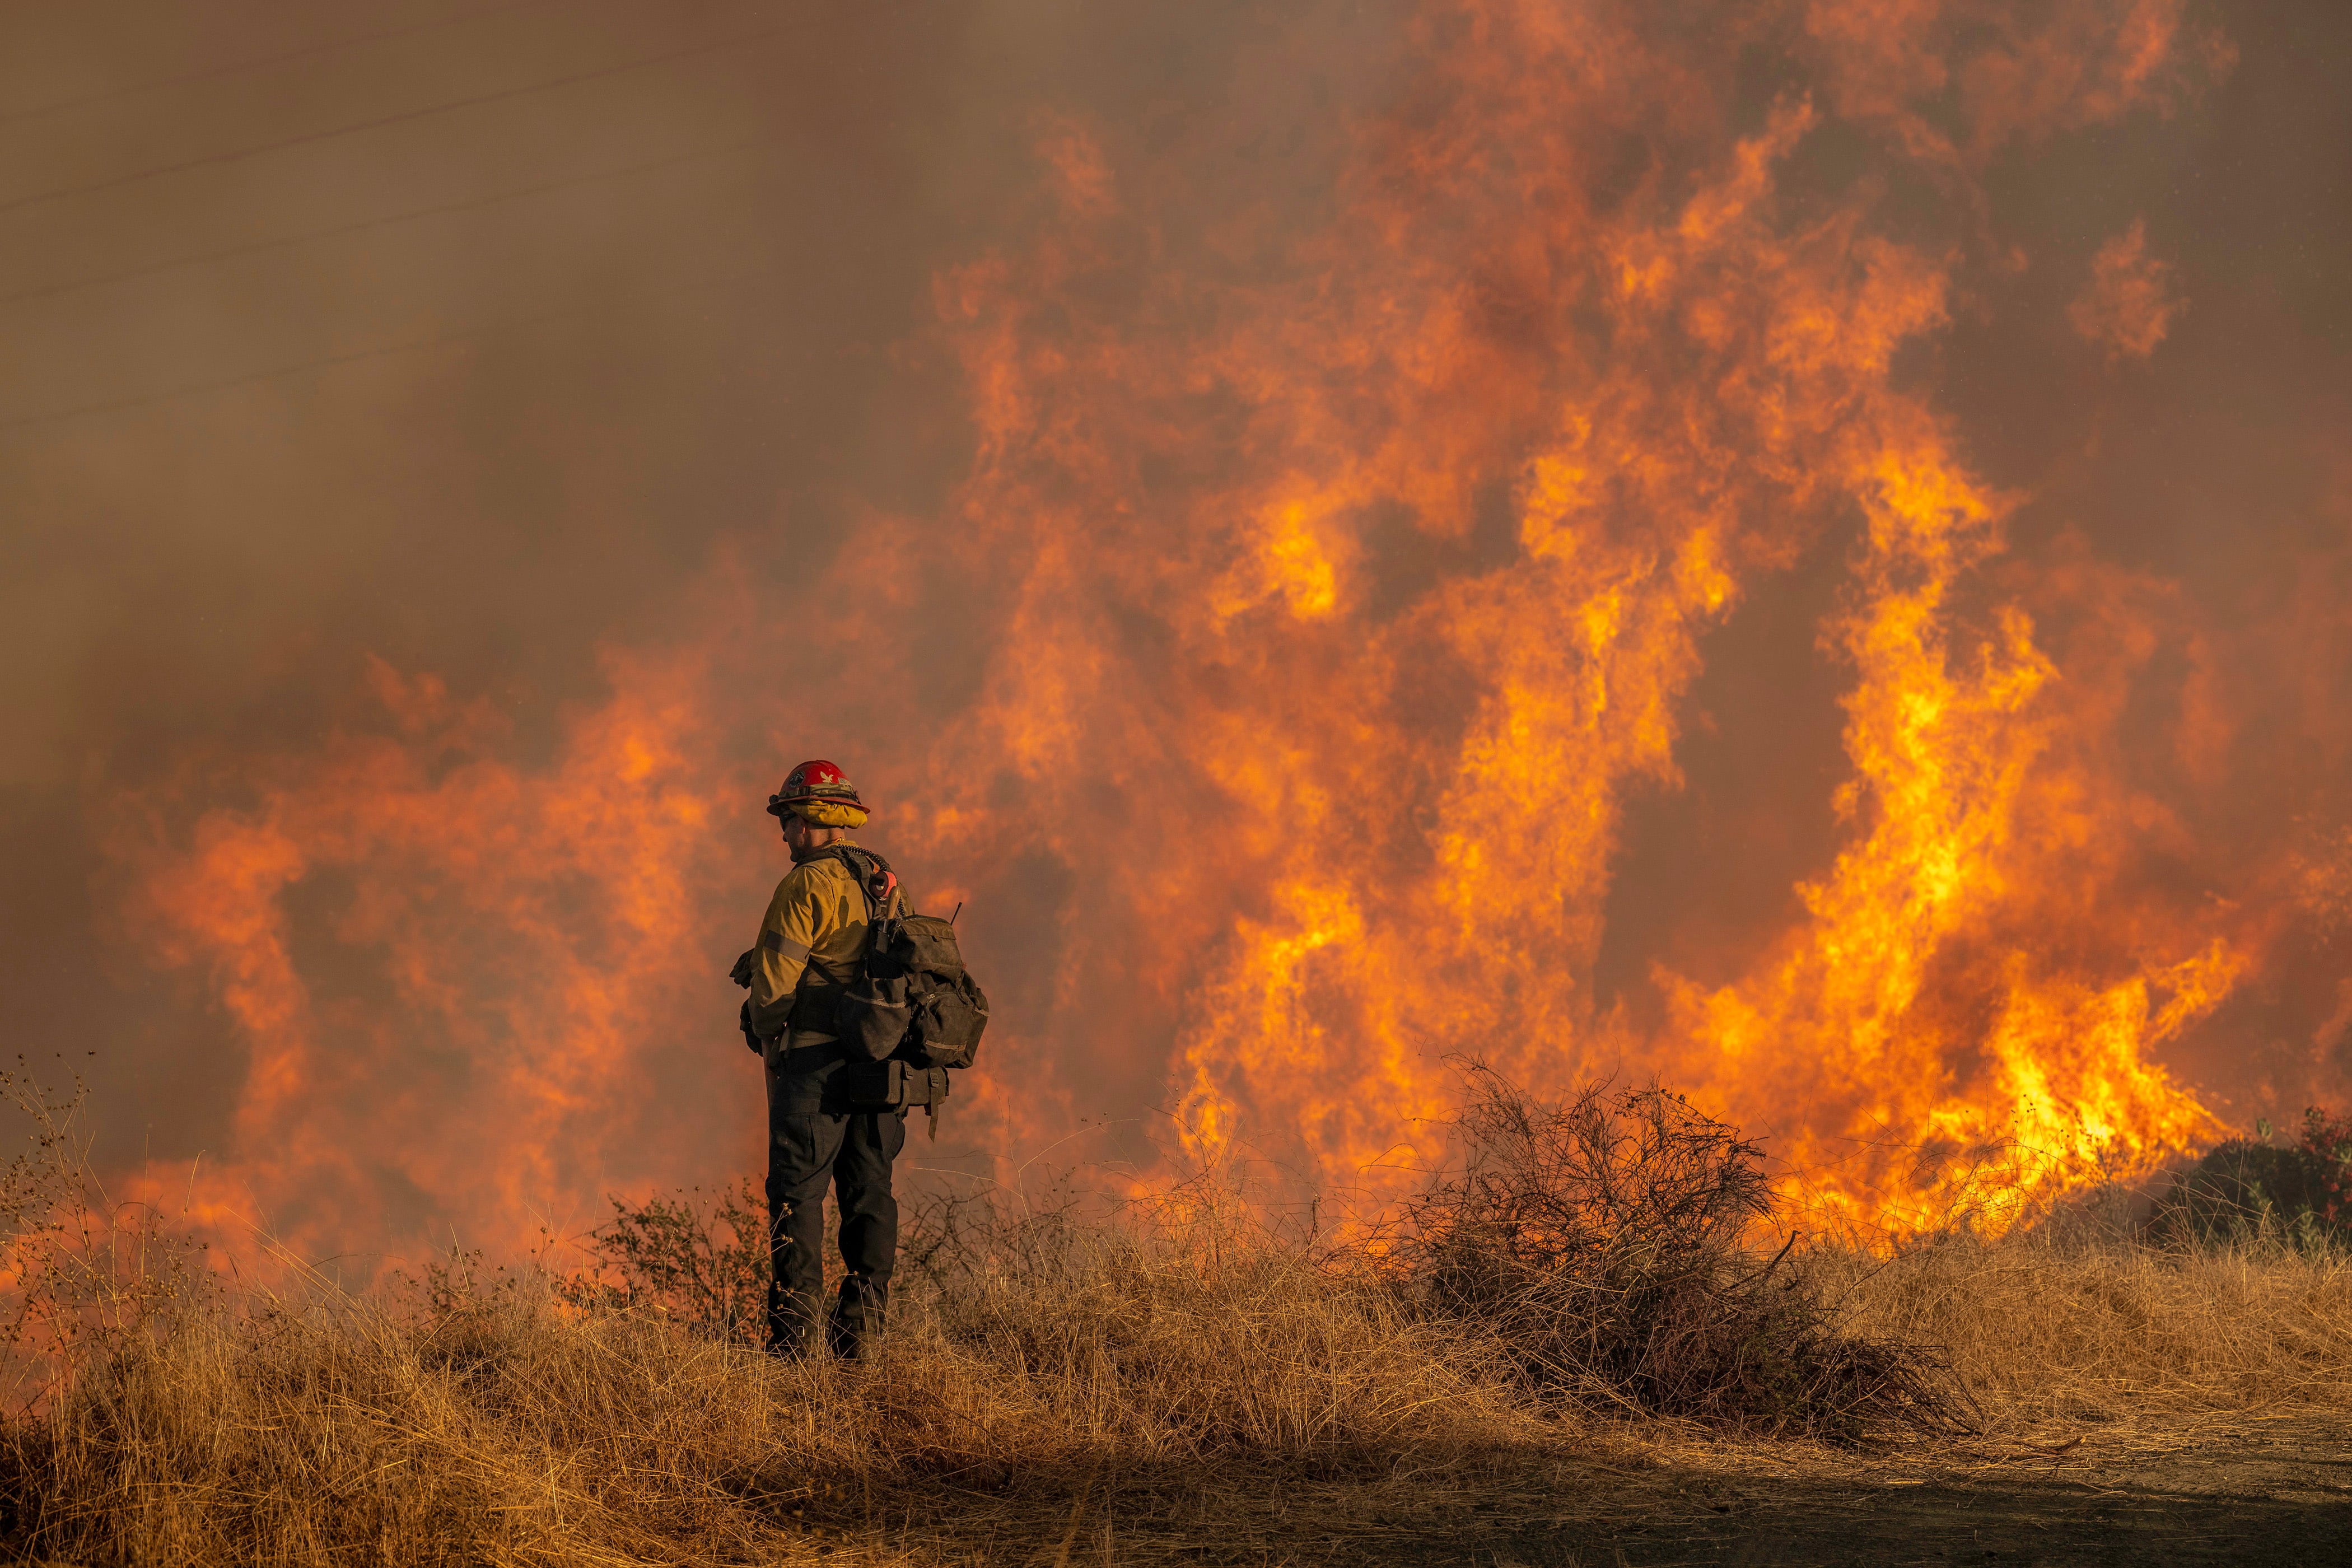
{"x": 1339, "y": 565}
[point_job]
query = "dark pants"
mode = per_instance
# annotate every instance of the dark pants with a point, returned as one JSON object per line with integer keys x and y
{"x": 810, "y": 1148}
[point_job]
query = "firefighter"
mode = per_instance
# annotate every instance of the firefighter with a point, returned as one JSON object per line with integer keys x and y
{"x": 812, "y": 944}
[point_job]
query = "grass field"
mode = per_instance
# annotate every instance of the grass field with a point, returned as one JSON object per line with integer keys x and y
{"x": 1178, "y": 1384}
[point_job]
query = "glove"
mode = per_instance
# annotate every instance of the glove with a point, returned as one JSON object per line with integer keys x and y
{"x": 745, "y": 967}
{"x": 750, "y": 1036}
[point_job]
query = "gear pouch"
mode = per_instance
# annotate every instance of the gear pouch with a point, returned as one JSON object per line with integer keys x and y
{"x": 889, "y": 1084}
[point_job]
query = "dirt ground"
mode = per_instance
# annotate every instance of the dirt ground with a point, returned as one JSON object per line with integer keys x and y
{"x": 2239, "y": 1490}
{"x": 2246, "y": 1492}
{"x": 2276, "y": 1491}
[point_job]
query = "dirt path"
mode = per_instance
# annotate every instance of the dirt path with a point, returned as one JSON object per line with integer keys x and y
{"x": 2267, "y": 1492}
{"x": 2239, "y": 1490}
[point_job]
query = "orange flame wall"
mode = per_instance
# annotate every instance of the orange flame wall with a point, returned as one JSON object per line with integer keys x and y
{"x": 1335, "y": 564}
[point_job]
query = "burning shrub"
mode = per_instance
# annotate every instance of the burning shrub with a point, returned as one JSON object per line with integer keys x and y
{"x": 1603, "y": 1242}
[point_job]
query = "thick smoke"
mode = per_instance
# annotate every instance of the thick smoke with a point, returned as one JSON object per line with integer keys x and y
{"x": 453, "y": 469}
{"x": 461, "y": 337}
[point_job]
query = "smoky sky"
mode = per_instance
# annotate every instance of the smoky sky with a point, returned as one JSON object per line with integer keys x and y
{"x": 457, "y": 336}
{"x": 463, "y": 336}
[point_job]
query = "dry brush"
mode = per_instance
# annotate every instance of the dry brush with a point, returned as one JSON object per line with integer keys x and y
{"x": 1584, "y": 1275}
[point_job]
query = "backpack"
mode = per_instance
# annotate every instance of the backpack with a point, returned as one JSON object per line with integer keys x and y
{"x": 915, "y": 1012}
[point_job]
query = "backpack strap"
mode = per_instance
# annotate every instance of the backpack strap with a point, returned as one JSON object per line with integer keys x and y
{"x": 870, "y": 872}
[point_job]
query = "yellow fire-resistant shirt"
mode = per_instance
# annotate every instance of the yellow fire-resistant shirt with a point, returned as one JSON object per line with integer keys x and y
{"x": 817, "y": 919}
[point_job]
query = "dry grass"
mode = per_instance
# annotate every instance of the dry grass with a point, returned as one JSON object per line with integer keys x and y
{"x": 509, "y": 1426}
{"x": 1157, "y": 1394}
{"x": 1143, "y": 1388}
{"x": 2053, "y": 1330}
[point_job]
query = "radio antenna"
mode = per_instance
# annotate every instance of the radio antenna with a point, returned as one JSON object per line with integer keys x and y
{"x": 958, "y": 909}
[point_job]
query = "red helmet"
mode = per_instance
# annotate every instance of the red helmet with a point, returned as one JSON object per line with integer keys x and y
{"x": 819, "y": 780}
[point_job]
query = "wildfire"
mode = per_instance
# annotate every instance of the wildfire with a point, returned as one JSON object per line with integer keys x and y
{"x": 1340, "y": 569}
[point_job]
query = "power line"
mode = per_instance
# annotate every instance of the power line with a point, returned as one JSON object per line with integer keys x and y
{"x": 402, "y": 118}
{"x": 240, "y": 66}
{"x": 51, "y": 290}
{"x": 420, "y": 345}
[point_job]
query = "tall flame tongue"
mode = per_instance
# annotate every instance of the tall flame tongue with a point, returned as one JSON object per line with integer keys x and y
{"x": 1339, "y": 586}
{"x": 528, "y": 943}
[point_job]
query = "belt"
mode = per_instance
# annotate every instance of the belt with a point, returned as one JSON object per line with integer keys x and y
{"x": 807, "y": 1052}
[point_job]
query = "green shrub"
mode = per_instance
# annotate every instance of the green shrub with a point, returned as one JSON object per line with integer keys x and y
{"x": 2245, "y": 1191}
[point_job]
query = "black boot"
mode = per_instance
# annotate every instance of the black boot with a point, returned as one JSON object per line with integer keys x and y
{"x": 792, "y": 1324}
{"x": 855, "y": 1330}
